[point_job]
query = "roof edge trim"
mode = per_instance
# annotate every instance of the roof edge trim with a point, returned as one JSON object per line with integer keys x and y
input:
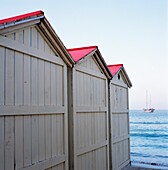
{"x": 81, "y": 48}
{"x": 20, "y": 17}
{"x": 115, "y": 65}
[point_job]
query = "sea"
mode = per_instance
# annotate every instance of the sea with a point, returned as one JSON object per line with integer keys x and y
{"x": 149, "y": 138}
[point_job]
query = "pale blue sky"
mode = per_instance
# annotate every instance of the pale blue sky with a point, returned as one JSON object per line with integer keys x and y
{"x": 132, "y": 32}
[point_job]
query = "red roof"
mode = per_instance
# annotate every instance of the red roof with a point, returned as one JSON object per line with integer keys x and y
{"x": 21, "y": 17}
{"x": 79, "y": 53}
{"x": 115, "y": 68}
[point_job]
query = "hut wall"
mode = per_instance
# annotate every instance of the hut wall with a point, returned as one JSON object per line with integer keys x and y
{"x": 89, "y": 134}
{"x": 120, "y": 138}
{"x": 33, "y": 103}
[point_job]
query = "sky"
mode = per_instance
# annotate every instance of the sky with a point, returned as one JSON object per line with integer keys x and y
{"x": 131, "y": 32}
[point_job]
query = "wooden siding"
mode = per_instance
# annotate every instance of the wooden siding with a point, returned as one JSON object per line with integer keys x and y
{"x": 31, "y": 37}
{"x": 90, "y": 118}
{"x": 120, "y": 139}
{"x": 33, "y": 103}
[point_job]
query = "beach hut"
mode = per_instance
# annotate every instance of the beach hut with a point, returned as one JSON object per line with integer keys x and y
{"x": 33, "y": 94}
{"x": 119, "y": 117}
{"x": 88, "y": 111}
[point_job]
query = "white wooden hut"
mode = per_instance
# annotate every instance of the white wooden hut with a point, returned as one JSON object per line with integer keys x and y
{"x": 88, "y": 125}
{"x": 119, "y": 115}
{"x": 33, "y": 94}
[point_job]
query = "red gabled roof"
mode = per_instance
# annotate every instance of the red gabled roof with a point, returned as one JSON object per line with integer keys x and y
{"x": 21, "y": 17}
{"x": 79, "y": 53}
{"x": 115, "y": 68}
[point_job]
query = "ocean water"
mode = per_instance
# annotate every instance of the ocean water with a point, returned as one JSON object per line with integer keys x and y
{"x": 149, "y": 137}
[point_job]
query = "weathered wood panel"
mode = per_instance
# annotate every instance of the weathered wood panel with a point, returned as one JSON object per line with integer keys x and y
{"x": 31, "y": 139}
{"x": 58, "y": 167}
{"x": 89, "y": 117}
{"x": 119, "y": 113}
{"x": 27, "y": 81}
{"x": 119, "y": 102}
{"x": 2, "y": 143}
{"x": 96, "y": 159}
{"x": 33, "y": 106}
{"x": 9, "y": 143}
{"x": 31, "y": 37}
{"x": 91, "y": 88}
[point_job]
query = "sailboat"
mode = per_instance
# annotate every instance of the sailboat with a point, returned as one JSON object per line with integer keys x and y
{"x": 148, "y": 109}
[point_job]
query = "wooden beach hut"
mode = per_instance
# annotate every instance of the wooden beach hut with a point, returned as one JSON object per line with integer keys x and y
{"x": 119, "y": 117}
{"x": 88, "y": 117}
{"x": 33, "y": 94}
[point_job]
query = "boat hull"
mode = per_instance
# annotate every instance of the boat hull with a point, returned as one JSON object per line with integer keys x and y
{"x": 149, "y": 110}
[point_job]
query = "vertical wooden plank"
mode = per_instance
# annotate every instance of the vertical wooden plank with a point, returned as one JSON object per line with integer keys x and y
{"x": 19, "y": 141}
{"x": 84, "y": 90}
{"x": 34, "y": 83}
{"x": 47, "y": 48}
{"x": 111, "y": 100}
{"x": 54, "y": 137}
{"x": 2, "y": 140}
{"x": 62, "y": 150}
{"x": 27, "y": 140}
{"x": 97, "y": 161}
{"x": 87, "y": 87}
{"x": 77, "y": 91}
{"x": 62, "y": 135}
{"x": 41, "y": 42}
{"x": 65, "y": 126}
{"x": 48, "y": 136}
{"x": 99, "y": 89}
{"x": 56, "y": 133}
{"x": 74, "y": 119}
{"x": 27, "y": 80}
{"x": 59, "y": 86}
{"x": 18, "y": 78}
{"x": 53, "y": 85}
{"x": 41, "y": 138}
{"x": 26, "y": 36}
{"x": 80, "y": 116}
{"x": 9, "y": 82}
{"x": 81, "y": 88}
{"x": 34, "y": 37}
{"x": 41, "y": 82}
{"x": 85, "y": 131}
{"x": 9, "y": 142}
{"x": 59, "y": 134}
{"x": 101, "y": 124}
{"x": 106, "y": 120}
{"x": 2, "y": 73}
{"x": 47, "y": 83}
{"x": 78, "y": 133}
{"x": 35, "y": 138}
{"x": 19, "y": 36}
{"x": 89, "y": 129}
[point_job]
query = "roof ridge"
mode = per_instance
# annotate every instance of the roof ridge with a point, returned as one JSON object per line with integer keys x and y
{"x": 115, "y": 65}
{"x": 81, "y": 48}
{"x": 22, "y": 16}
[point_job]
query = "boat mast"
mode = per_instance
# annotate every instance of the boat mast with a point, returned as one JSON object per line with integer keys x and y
{"x": 150, "y": 102}
{"x": 146, "y": 99}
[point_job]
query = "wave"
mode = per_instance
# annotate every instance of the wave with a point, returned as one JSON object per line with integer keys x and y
{"x": 150, "y": 146}
{"x": 154, "y": 135}
{"x": 147, "y": 159}
{"x": 148, "y": 155}
{"x": 149, "y": 163}
{"x": 150, "y": 123}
